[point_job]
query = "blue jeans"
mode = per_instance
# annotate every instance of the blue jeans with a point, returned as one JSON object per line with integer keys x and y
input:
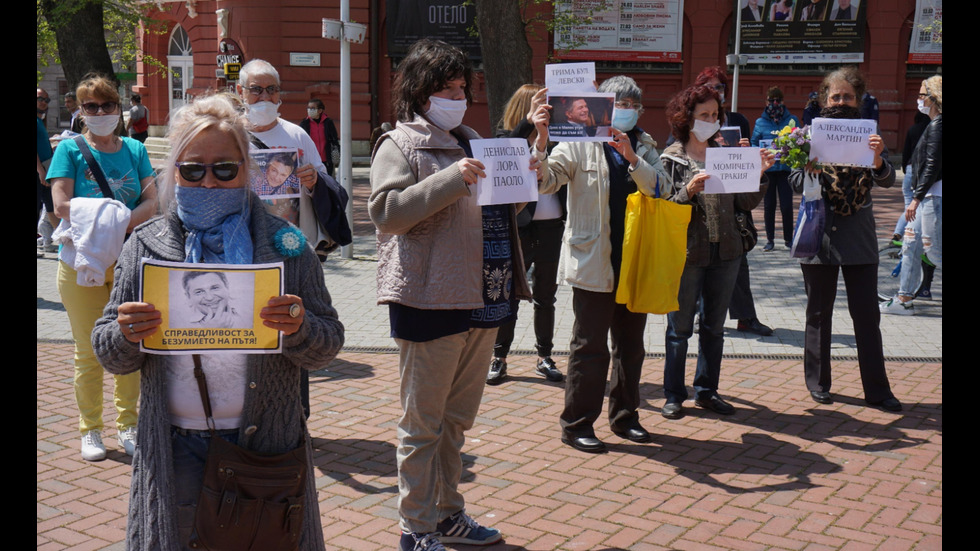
{"x": 924, "y": 234}
{"x": 907, "y": 196}
{"x": 713, "y": 284}
{"x": 190, "y": 453}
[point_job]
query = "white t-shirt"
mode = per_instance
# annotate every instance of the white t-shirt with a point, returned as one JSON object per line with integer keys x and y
{"x": 225, "y": 374}
{"x": 286, "y": 134}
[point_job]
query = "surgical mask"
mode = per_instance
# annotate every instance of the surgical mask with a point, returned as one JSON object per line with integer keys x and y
{"x": 262, "y": 113}
{"x": 446, "y": 113}
{"x": 704, "y": 130}
{"x": 922, "y": 106}
{"x": 102, "y": 125}
{"x": 624, "y": 120}
{"x": 312, "y": 113}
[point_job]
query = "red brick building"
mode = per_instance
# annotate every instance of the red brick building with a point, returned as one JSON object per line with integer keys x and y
{"x": 279, "y": 31}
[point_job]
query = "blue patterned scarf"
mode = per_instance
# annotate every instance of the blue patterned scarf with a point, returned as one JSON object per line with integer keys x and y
{"x": 217, "y": 224}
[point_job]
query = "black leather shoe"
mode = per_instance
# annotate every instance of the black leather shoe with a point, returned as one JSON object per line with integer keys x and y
{"x": 547, "y": 369}
{"x": 587, "y": 444}
{"x": 635, "y": 433}
{"x": 715, "y": 404}
{"x": 755, "y": 326}
{"x": 498, "y": 371}
{"x": 672, "y": 410}
{"x": 888, "y": 404}
{"x": 821, "y": 397}
{"x": 769, "y": 246}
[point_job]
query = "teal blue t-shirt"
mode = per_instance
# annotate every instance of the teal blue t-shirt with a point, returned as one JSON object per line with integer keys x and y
{"x": 123, "y": 170}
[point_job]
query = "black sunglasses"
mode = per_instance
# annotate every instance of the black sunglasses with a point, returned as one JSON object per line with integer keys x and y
{"x": 44, "y": 99}
{"x": 93, "y": 108}
{"x": 224, "y": 171}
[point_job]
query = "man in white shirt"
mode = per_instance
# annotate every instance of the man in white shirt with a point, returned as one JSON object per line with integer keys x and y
{"x": 259, "y": 87}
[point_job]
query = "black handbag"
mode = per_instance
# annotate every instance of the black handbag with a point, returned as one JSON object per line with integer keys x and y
{"x": 249, "y": 501}
{"x": 746, "y": 230}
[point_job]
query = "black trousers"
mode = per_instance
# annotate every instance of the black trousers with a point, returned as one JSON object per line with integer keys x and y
{"x": 778, "y": 186}
{"x": 861, "y": 284}
{"x": 597, "y": 317}
{"x": 742, "y": 305}
{"x": 540, "y": 244}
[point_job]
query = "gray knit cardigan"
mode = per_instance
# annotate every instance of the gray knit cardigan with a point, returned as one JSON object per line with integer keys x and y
{"x": 272, "y": 416}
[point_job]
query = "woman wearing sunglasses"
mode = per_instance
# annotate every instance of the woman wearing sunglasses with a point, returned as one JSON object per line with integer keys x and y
{"x": 126, "y": 169}
{"x": 212, "y": 216}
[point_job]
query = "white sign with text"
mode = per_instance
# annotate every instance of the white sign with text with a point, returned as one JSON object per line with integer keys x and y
{"x": 842, "y": 142}
{"x": 732, "y": 169}
{"x": 507, "y": 163}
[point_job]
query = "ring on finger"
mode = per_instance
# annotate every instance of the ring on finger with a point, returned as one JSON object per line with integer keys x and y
{"x": 131, "y": 330}
{"x": 295, "y": 310}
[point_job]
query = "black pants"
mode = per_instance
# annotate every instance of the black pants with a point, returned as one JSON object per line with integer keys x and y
{"x": 597, "y": 317}
{"x": 540, "y": 243}
{"x": 861, "y": 284}
{"x": 779, "y": 185}
{"x": 742, "y": 305}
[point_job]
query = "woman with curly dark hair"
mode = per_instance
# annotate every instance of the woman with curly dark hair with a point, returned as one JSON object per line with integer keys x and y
{"x": 714, "y": 250}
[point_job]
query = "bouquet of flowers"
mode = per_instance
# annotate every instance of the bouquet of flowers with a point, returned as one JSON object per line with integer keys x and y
{"x": 792, "y": 146}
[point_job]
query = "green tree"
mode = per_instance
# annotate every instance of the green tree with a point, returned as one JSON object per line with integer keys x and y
{"x": 90, "y": 35}
{"x": 503, "y": 26}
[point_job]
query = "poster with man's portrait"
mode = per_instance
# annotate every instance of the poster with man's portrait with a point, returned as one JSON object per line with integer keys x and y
{"x": 582, "y": 117}
{"x": 210, "y": 308}
{"x": 274, "y": 180}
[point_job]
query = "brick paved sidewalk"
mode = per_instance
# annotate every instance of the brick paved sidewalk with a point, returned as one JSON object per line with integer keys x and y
{"x": 782, "y": 473}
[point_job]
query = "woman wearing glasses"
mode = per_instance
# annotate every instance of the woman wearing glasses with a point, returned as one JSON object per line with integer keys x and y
{"x": 599, "y": 177}
{"x": 126, "y": 170}
{"x": 849, "y": 246}
{"x": 211, "y": 216}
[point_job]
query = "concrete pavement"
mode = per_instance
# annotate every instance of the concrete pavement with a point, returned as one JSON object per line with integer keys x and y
{"x": 782, "y": 473}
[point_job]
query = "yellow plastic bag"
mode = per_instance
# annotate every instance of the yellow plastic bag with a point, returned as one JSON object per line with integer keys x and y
{"x": 654, "y": 252}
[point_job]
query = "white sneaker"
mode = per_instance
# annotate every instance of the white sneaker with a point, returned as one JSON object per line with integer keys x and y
{"x": 897, "y": 307}
{"x": 127, "y": 439}
{"x": 92, "y": 447}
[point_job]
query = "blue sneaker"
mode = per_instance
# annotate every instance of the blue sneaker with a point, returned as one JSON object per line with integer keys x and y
{"x": 414, "y": 541}
{"x": 461, "y": 528}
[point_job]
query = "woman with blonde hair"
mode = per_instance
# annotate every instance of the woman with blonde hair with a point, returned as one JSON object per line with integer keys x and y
{"x": 924, "y": 214}
{"x": 211, "y": 215}
{"x": 540, "y": 226}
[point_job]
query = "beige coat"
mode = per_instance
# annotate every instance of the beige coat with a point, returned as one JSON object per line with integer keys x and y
{"x": 586, "y": 249}
{"x": 430, "y": 227}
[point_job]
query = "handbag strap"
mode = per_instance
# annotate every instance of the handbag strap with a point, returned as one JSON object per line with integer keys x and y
{"x": 93, "y": 165}
{"x": 202, "y": 386}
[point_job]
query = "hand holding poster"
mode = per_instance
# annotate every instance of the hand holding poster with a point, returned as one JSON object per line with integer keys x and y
{"x": 842, "y": 142}
{"x": 210, "y": 308}
{"x": 274, "y": 180}
{"x": 732, "y": 169}
{"x": 570, "y": 78}
{"x": 507, "y": 164}
{"x": 581, "y": 117}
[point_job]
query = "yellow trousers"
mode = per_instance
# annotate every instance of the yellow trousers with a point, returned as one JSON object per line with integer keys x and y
{"x": 84, "y": 306}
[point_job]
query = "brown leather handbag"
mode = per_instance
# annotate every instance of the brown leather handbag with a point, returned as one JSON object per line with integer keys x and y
{"x": 249, "y": 501}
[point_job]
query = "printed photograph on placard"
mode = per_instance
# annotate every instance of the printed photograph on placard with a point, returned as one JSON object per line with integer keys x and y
{"x": 581, "y": 117}
{"x": 212, "y": 308}
{"x": 275, "y": 181}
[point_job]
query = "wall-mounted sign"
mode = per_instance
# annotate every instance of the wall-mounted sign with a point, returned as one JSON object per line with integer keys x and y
{"x": 299, "y": 59}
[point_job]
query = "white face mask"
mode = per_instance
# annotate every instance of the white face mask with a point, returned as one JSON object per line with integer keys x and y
{"x": 262, "y": 113}
{"x": 624, "y": 120}
{"x": 704, "y": 130}
{"x": 446, "y": 113}
{"x": 312, "y": 113}
{"x": 922, "y": 107}
{"x": 102, "y": 125}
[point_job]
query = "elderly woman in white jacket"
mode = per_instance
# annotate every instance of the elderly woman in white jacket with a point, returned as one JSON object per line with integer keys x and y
{"x": 599, "y": 177}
